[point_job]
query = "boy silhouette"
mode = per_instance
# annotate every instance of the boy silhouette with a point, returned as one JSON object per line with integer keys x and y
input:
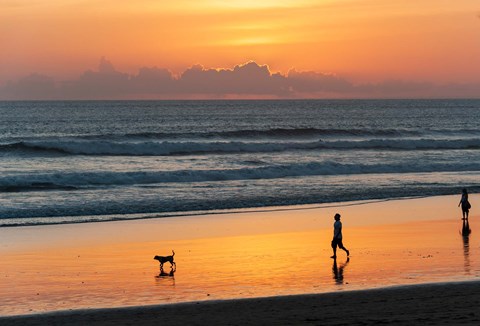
{"x": 337, "y": 237}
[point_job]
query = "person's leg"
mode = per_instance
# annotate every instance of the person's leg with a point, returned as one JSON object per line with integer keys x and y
{"x": 340, "y": 245}
{"x": 334, "y": 247}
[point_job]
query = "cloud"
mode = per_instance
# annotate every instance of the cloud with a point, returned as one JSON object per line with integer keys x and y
{"x": 34, "y": 86}
{"x": 314, "y": 82}
{"x": 398, "y": 88}
{"x": 249, "y": 80}
{"x": 105, "y": 83}
{"x": 152, "y": 81}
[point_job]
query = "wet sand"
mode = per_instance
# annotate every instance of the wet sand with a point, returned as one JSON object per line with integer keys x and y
{"x": 249, "y": 255}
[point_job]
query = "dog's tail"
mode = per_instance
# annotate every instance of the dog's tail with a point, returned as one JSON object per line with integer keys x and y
{"x": 173, "y": 253}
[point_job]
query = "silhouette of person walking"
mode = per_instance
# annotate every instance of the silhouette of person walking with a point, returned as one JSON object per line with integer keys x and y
{"x": 465, "y": 204}
{"x": 337, "y": 237}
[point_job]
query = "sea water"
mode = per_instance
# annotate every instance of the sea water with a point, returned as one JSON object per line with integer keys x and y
{"x": 80, "y": 161}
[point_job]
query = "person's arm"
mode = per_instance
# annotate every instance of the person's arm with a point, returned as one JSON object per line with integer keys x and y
{"x": 337, "y": 231}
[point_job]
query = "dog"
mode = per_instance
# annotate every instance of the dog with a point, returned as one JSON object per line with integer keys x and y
{"x": 164, "y": 259}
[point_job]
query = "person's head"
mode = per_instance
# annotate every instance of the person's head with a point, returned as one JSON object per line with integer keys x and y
{"x": 464, "y": 190}
{"x": 337, "y": 217}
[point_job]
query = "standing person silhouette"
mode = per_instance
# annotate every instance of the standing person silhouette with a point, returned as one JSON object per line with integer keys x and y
{"x": 465, "y": 203}
{"x": 337, "y": 237}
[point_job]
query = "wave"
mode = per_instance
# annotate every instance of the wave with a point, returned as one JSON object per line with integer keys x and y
{"x": 283, "y": 132}
{"x": 304, "y": 133}
{"x": 227, "y": 135}
{"x": 264, "y": 133}
{"x": 72, "y": 181}
{"x": 274, "y": 133}
{"x": 161, "y": 206}
{"x": 165, "y": 148}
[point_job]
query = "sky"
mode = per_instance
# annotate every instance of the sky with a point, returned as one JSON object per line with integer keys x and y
{"x": 301, "y": 48}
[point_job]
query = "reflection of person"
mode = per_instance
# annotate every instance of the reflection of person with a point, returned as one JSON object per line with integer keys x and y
{"x": 338, "y": 271}
{"x": 465, "y": 203}
{"x": 466, "y": 248}
{"x": 466, "y": 229}
{"x": 337, "y": 237}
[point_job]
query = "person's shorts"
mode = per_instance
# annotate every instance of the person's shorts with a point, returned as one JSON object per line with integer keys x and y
{"x": 337, "y": 242}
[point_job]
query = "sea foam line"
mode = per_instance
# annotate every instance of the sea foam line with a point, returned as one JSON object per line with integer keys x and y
{"x": 166, "y": 148}
{"x": 76, "y": 180}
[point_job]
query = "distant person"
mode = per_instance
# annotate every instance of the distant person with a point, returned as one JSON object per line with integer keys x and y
{"x": 337, "y": 237}
{"x": 465, "y": 203}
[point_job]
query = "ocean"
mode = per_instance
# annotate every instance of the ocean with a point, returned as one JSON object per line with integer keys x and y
{"x": 85, "y": 161}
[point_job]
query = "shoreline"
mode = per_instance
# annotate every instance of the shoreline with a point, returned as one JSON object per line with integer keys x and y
{"x": 437, "y": 303}
{"x": 70, "y": 219}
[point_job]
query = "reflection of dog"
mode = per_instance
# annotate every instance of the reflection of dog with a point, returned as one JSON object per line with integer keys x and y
{"x": 164, "y": 259}
{"x": 170, "y": 274}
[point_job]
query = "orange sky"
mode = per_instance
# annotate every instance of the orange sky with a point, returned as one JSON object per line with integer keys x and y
{"x": 362, "y": 40}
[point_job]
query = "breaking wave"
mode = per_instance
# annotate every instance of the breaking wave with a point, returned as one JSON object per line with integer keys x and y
{"x": 71, "y": 181}
{"x": 166, "y": 148}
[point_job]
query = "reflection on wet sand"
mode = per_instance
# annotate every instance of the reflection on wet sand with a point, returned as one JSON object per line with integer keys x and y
{"x": 163, "y": 276}
{"x": 173, "y": 269}
{"x": 466, "y": 247}
{"x": 171, "y": 273}
{"x": 338, "y": 271}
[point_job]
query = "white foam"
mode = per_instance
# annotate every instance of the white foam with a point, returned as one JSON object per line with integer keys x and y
{"x": 105, "y": 147}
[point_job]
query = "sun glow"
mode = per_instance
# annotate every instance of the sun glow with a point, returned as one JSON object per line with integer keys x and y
{"x": 369, "y": 40}
{"x": 255, "y": 4}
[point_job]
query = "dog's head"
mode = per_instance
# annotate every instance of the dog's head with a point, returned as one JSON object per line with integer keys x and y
{"x": 156, "y": 257}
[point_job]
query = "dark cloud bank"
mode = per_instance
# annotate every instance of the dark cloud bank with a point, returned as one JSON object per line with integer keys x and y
{"x": 249, "y": 80}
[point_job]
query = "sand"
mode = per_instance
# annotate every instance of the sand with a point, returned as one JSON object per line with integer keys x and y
{"x": 433, "y": 304}
{"x": 74, "y": 274}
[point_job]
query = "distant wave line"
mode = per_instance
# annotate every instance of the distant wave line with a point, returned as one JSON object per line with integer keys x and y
{"x": 275, "y": 133}
{"x": 167, "y": 148}
{"x": 78, "y": 180}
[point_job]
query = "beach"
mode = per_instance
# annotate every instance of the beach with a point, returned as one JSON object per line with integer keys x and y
{"x": 437, "y": 304}
{"x": 226, "y": 262}
{"x": 199, "y": 162}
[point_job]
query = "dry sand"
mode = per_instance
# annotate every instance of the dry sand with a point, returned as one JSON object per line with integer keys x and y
{"x": 432, "y": 304}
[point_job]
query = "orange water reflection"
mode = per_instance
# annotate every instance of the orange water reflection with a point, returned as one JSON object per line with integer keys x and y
{"x": 103, "y": 267}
